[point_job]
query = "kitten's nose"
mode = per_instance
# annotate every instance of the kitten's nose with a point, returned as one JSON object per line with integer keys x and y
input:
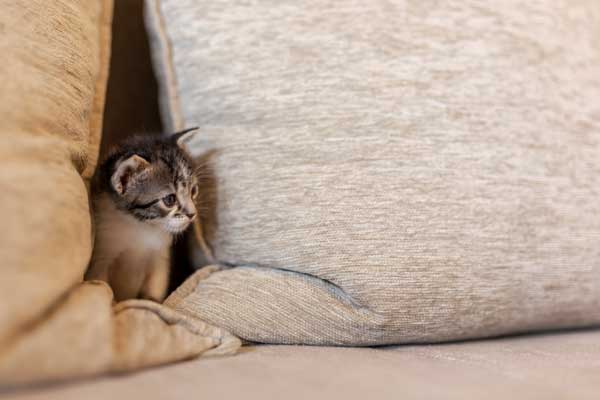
{"x": 191, "y": 215}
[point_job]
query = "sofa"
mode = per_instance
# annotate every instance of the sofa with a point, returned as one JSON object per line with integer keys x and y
{"x": 399, "y": 198}
{"x": 548, "y": 366}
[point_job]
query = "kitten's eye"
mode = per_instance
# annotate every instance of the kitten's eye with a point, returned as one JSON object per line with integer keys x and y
{"x": 169, "y": 200}
{"x": 194, "y": 191}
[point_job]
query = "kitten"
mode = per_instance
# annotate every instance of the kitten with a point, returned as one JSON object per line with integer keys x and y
{"x": 143, "y": 194}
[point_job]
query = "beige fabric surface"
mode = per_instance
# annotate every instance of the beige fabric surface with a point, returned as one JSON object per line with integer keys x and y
{"x": 391, "y": 171}
{"x": 52, "y": 326}
{"x": 549, "y": 367}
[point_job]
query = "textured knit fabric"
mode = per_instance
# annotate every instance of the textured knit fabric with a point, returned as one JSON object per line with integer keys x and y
{"x": 85, "y": 334}
{"x": 390, "y": 171}
{"x": 53, "y": 74}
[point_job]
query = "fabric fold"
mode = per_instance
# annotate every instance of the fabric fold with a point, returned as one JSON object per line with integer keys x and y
{"x": 85, "y": 335}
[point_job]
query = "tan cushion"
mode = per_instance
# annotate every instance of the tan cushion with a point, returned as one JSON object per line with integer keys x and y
{"x": 85, "y": 335}
{"x": 391, "y": 171}
{"x": 53, "y": 79}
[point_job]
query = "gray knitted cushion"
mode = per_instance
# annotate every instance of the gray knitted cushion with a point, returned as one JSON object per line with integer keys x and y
{"x": 390, "y": 171}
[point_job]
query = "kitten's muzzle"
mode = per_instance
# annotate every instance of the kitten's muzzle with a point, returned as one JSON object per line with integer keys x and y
{"x": 188, "y": 209}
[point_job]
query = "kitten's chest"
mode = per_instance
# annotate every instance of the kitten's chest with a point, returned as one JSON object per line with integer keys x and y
{"x": 119, "y": 234}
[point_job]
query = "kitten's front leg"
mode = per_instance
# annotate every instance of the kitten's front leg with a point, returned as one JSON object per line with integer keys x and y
{"x": 126, "y": 277}
{"x": 156, "y": 283}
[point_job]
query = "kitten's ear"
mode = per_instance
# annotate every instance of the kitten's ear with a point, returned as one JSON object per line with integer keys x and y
{"x": 183, "y": 136}
{"x": 127, "y": 171}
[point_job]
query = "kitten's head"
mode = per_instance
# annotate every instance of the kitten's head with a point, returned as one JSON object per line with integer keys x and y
{"x": 153, "y": 180}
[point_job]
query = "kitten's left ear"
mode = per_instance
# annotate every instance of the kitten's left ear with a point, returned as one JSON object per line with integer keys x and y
{"x": 183, "y": 136}
{"x": 127, "y": 172}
